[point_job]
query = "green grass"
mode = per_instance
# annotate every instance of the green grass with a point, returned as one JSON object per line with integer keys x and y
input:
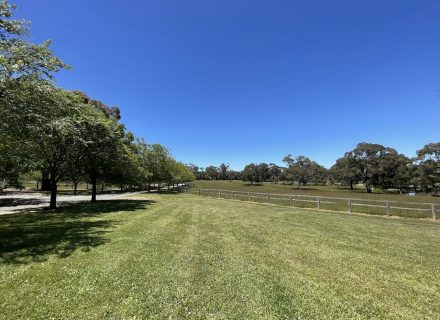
{"x": 177, "y": 256}
{"x": 312, "y": 190}
{"x": 306, "y": 197}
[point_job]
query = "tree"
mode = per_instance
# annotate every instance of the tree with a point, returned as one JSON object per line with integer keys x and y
{"x": 211, "y": 172}
{"x": 376, "y": 164}
{"x": 195, "y": 171}
{"x": 102, "y": 145}
{"x": 429, "y": 161}
{"x": 159, "y": 164}
{"x": 223, "y": 171}
{"x": 299, "y": 169}
{"x": 274, "y": 172}
{"x": 319, "y": 174}
{"x": 19, "y": 58}
{"x": 129, "y": 169}
{"x": 26, "y": 71}
{"x": 251, "y": 173}
{"x": 346, "y": 171}
{"x": 263, "y": 172}
{"x": 181, "y": 173}
{"x": 55, "y": 137}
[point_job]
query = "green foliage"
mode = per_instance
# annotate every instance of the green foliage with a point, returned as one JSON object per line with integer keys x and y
{"x": 374, "y": 165}
{"x": 211, "y": 173}
{"x": 251, "y": 174}
{"x": 20, "y": 58}
{"x": 303, "y": 170}
{"x": 429, "y": 162}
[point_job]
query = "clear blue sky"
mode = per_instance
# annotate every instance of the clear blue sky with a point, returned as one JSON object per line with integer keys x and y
{"x": 251, "y": 81}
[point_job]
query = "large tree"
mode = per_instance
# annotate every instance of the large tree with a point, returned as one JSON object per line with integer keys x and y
{"x": 56, "y": 138}
{"x": 300, "y": 169}
{"x": 26, "y": 72}
{"x": 251, "y": 174}
{"x": 103, "y": 139}
{"x": 375, "y": 164}
{"x": 211, "y": 172}
{"x": 346, "y": 171}
{"x": 429, "y": 162}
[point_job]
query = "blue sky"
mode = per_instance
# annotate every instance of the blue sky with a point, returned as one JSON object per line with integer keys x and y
{"x": 252, "y": 81}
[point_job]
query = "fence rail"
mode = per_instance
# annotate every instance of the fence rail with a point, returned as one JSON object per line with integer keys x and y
{"x": 350, "y": 205}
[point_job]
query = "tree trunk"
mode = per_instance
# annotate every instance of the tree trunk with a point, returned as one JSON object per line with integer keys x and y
{"x": 102, "y": 187}
{"x": 351, "y": 185}
{"x": 93, "y": 180}
{"x": 158, "y": 186}
{"x": 53, "y": 194}
{"x": 368, "y": 187}
{"x": 75, "y": 188}
{"x": 149, "y": 187}
{"x": 45, "y": 181}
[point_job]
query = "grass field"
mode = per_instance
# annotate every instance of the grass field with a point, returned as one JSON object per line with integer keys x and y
{"x": 329, "y": 191}
{"x": 330, "y": 198}
{"x": 177, "y": 256}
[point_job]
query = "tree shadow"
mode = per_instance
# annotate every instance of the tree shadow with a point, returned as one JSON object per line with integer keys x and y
{"x": 35, "y": 236}
{"x": 14, "y": 202}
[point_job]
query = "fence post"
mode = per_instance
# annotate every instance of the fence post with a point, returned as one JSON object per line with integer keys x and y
{"x": 290, "y": 201}
{"x": 268, "y": 198}
{"x": 388, "y": 209}
{"x": 349, "y": 206}
{"x": 318, "y": 201}
{"x": 434, "y": 217}
{"x": 249, "y": 196}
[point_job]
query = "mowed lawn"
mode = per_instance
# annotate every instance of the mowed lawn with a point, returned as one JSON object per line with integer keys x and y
{"x": 178, "y": 256}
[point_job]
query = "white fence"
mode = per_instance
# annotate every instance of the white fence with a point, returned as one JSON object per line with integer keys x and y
{"x": 378, "y": 207}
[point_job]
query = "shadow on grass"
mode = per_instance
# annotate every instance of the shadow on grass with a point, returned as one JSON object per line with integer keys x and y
{"x": 33, "y": 237}
{"x": 14, "y": 202}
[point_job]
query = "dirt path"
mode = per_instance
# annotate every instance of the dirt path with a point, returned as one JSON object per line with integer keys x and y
{"x": 12, "y": 202}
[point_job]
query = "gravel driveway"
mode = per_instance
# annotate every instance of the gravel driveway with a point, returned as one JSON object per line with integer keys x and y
{"x": 12, "y": 202}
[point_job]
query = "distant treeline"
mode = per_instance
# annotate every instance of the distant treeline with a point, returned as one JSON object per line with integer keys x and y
{"x": 373, "y": 165}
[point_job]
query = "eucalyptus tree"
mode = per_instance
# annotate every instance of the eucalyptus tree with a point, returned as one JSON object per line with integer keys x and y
{"x": 298, "y": 170}
{"x": 346, "y": 171}
{"x": 251, "y": 174}
{"x": 375, "y": 165}
{"x": 223, "y": 171}
{"x": 263, "y": 172}
{"x": 212, "y": 173}
{"x": 275, "y": 172}
{"x": 429, "y": 161}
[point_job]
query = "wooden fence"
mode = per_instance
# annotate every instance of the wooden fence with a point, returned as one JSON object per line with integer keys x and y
{"x": 350, "y": 205}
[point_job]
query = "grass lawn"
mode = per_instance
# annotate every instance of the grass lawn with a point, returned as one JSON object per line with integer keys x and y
{"x": 177, "y": 256}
